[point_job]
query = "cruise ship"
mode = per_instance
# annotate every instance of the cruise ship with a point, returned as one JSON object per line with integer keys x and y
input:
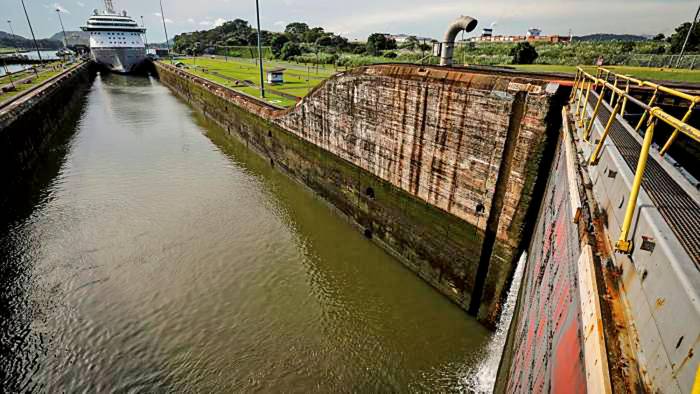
{"x": 116, "y": 40}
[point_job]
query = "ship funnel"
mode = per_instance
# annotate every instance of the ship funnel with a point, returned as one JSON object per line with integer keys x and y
{"x": 465, "y": 23}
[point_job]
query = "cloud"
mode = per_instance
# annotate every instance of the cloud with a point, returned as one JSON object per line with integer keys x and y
{"x": 190, "y": 20}
{"x": 59, "y": 7}
{"x": 158, "y": 14}
{"x": 280, "y": 23}
{"x": 168, "y": 20}
{"x": 215, "y": 23}
{"x": 80, "y": 3}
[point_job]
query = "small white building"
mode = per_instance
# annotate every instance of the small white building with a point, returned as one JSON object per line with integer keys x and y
{"x": 275, "y": 75}
{"x": 533, "y": 32}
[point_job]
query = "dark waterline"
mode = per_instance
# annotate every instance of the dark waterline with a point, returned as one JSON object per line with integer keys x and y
{"x": 159, "y": 255}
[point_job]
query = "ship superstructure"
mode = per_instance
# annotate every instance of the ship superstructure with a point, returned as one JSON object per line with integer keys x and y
{"x": 116, "y": 40}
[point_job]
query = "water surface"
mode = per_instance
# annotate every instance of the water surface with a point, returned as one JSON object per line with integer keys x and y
{"x": 160, "y": 256}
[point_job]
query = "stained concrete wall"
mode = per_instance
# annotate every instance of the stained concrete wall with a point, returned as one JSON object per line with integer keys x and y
{"x": 545, "y": 347}
{"x": 438, "y": 165}
{"x": 29, "y": 125}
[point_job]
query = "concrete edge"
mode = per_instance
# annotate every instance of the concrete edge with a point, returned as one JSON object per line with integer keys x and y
{"x": 594, "y": 351}
{"x": 594, "y": 348}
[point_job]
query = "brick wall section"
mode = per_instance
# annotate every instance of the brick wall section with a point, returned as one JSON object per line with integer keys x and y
{"x": 428, "y": 141}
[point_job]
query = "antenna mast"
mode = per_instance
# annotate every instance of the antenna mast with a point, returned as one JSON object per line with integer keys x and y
{"x": 109, "y": 6}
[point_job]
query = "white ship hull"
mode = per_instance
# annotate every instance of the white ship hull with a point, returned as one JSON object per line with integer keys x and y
{"x": 119, "y": 60}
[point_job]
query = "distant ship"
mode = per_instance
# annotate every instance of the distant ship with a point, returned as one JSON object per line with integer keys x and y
{"x": 116, "y": 40}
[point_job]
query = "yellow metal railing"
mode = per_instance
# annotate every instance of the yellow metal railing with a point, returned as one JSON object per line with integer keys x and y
{"x": 619, "y": 98}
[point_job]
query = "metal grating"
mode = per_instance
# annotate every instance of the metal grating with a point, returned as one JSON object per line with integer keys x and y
{"x": 679, "y": 210}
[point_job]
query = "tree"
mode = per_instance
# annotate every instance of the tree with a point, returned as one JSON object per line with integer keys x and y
{"x": 312, "y": 35}
{"x": 377, "y": 42}
{"x": 265, "y": 37}
{"x": 523, "y": 53}
{"x": 324, "y": 41}
{"x": 296, "y": 31}
{"x": 289, "y": 50}
{"x": 340, "y": 42}
{"x": 678, "y": 38}
{"x": 277, "y": 44}
{"x": 627, "y": 47}
{"x": 411, "y": 43}
{"x": 659, "y": 37}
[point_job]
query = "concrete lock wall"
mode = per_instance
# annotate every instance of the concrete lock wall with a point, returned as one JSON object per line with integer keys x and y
{"x": 557, "y": 339}
{"x": 30, "y": 125}
{"x": 437, "y": 165}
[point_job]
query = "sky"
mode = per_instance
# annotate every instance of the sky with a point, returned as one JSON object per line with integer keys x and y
{"x": 357, "y": 19}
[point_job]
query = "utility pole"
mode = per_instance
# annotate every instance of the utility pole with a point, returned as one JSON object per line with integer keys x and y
{"x": 145, "y": 39}
{"x": 165, "y": 29}
{"x": 692, "y": 27}
{"x": 36, "y": 46}
{"x": 65, "y": 38}
{"x": 262, "y": 86}
{"x": 12, "y": 31}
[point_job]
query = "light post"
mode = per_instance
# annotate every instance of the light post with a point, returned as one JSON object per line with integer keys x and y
{"x": 165, "y": 29}
{"x": 692, "y": 27}
{"x": 12, "y": 31}
{"x": 63, "y": 29}
{"x": 262, "y": 86}
{"x": 36, "y": 46}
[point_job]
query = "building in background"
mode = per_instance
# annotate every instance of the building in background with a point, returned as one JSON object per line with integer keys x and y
{"x": 532, "y": 35}
{"x": 533, "y": 32}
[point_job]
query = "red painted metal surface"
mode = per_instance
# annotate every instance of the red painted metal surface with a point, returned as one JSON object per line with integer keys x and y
{"x": 547, "y": 353}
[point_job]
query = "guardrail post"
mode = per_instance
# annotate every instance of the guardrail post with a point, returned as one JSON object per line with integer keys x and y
{"x": 579, "y": 100}
{"x": 573, "y": 90}
{"x": 644, "y": 115}
{"x": 613, "y": 96}
{"x": 624, "y": 100}
{"x": 581, "y": 117}
{"x": 674, "y": 135}
{"x": 594, "y": 156}
{"x": 624, "y": 245}
{"x": 587, "y": 131}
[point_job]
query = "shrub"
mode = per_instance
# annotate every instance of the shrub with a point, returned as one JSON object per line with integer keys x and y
{"x": 523, "y": 53}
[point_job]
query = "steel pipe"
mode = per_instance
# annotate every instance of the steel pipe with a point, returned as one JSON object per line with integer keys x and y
{"x": 465, "y": 23}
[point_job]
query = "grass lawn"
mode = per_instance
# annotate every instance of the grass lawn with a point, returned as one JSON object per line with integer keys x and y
{"x": 298, "y": 81}
{"x": 646, "y": 73}
{"x": 5, "y": 79}
{"x": 43, "y": 76}
{"x": 323, "y": 70}
{"x": 252, "y": 91}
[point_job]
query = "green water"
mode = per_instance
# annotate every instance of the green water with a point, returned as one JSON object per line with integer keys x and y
{"x": 161, "y": 256}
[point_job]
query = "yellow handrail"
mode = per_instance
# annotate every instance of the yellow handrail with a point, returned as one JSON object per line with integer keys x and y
{"x": 619, "y": 98}
{"x": 674, "y": 92}
{"x": 656, "y": 112}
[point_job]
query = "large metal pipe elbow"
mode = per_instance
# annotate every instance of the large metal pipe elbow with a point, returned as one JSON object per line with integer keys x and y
{"x": 465, "y": 23}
